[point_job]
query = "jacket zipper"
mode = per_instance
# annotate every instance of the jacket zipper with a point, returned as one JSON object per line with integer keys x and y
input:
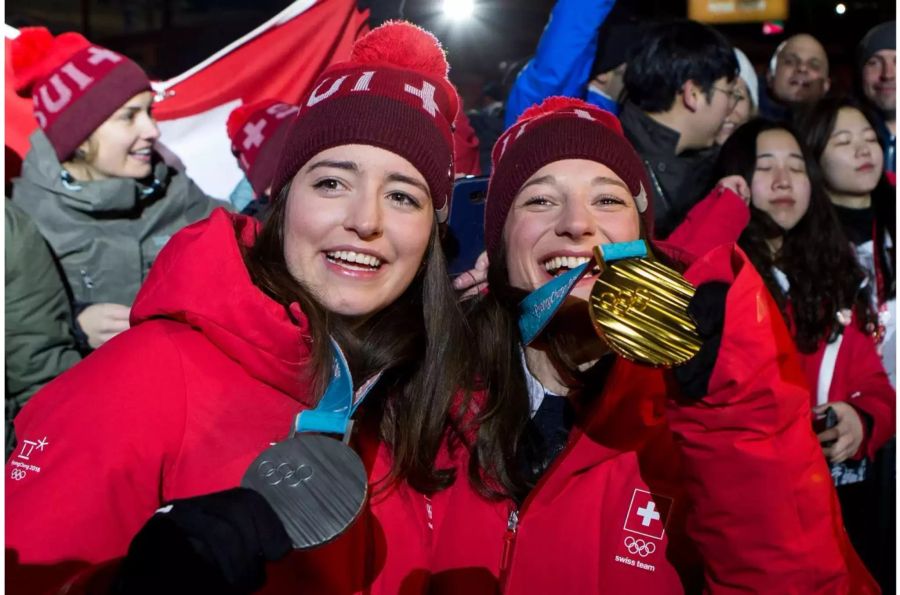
{"x": 512, "y": 521}
{"x": 509, "y": 544}
{"x": 429, "y": 520}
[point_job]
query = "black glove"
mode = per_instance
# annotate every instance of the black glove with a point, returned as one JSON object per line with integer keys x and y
{"x": 707, "y": 308}
{"x": 217, "y": 543}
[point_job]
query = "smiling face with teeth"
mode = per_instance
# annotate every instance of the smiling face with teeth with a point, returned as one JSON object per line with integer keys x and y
{"x": 561, "y": 212}
{"x": 121, "y": 147}
{"x": 358, "y": 221}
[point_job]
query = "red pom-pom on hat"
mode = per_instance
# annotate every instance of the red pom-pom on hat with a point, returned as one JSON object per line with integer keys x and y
{"x": 559, "y": 103}
{"x": 554, "y": 104}
{"x": 404, "y": 45}
{"x": 393, "y": 93}
{"x": 35, "y": 53}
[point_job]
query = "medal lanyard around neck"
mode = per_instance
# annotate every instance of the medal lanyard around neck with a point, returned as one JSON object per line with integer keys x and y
{"x": 336, "y": 408}
{"x": 538, "y": 307}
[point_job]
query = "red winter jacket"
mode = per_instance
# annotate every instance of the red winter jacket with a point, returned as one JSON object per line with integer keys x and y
{"x": 858, "y": 375}
{"x": 179, "y": 405}
{"x": 655, "y": 494}
{"x": 859, "y": 378}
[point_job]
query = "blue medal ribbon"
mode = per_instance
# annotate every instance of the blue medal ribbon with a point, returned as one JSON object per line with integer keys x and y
{"x": 336, "y": 408}
{"x": 539, "y": 307}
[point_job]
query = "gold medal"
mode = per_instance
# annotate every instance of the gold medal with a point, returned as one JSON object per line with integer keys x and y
{"x": 639, "y": 307}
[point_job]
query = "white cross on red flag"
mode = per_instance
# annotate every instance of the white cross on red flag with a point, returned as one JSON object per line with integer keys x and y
{"x": 648, "y": 514}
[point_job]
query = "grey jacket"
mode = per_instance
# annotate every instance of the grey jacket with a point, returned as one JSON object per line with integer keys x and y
{"x": 106, "y": 234}
{"x": 39, "y": 341}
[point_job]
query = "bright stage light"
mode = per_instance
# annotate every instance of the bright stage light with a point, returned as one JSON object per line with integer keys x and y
{"x": 459, "y": 10}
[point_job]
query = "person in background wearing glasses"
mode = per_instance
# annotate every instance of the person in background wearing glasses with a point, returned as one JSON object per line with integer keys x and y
{"x": 745, "y": 98}
{"x": 679, "y": 88}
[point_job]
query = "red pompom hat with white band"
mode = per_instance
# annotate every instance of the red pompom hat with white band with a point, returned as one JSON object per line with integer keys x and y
{"x": 74, "y": 85}
{"x": 559, "y": 128}
{"x": 257, "y": 132}
{"x": 394, "y": 94}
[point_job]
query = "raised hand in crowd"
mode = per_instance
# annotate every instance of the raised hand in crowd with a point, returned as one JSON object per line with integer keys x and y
{"x": 473, "y": 281}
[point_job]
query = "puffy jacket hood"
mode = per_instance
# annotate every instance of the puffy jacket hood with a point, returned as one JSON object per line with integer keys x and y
{"x": 42, "y": 169}
{"x": 200, "y": 279}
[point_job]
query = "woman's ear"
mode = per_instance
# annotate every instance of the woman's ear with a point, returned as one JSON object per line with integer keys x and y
{"x": 86, "y": 150}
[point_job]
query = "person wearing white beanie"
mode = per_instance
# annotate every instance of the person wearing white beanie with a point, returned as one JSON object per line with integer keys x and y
{"x": 747, "y": 85}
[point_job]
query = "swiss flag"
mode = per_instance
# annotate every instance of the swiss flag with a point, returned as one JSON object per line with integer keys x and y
{"x": 280, "y": 59}
{"x": 648, "y": 514}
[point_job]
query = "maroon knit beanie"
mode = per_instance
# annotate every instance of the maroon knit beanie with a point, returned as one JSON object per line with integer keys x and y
{"x": 75, "y": 86}
{"x": 257, "y": 132}
{"x": 559, "y": 128}
{"x": 393, "y": 93}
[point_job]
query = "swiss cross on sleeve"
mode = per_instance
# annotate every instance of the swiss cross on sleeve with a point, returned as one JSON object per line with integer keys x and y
{"x": 648, "y": 514}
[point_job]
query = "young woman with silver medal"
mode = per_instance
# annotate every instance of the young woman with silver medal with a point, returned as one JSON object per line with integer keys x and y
{"x": 249, "y": 335}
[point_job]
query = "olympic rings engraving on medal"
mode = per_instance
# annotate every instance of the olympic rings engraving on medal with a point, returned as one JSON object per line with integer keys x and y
{"x": 621, "y": 301}
{"x": 639, "y": 546}
{"x": 291, "y": 476}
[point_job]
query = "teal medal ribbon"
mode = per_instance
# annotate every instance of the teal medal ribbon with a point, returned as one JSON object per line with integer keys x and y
{"x": 335, "y": 410}
{"x": 317, "y": 485}
{"x": 539, "y": 307}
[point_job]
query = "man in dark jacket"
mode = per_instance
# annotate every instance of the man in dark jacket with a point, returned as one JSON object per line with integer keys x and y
{"x": 679, "y": 87}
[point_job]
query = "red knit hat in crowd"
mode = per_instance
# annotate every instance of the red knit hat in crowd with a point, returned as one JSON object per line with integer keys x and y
{"x": 559, "y": 128}
{"x": 75, "y": 85}
{"x": 257, "y": 132}
{"x": 393, "y": 93}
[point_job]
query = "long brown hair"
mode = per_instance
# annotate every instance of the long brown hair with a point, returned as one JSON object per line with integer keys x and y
{"x": 495, "y": 468}
{"x": 420, "y": 339}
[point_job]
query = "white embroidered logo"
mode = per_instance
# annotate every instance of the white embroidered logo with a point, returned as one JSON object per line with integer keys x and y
{"x": 648, "y": 514}
{"x": 254, "y": 134}
{"x": 282, "y": 110}
{"x": 426, "y": 94}
{"x": 98, "y": 55}
{"x": 26, "y": 452}
{"x": 315, "y": 97}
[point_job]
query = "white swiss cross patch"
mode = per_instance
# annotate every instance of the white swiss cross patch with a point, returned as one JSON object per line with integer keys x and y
{"x": 648, "y": 514}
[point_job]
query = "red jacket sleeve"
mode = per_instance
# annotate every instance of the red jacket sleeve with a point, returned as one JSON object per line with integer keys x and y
{"x": 859, "y": 378}
{"x": 86, "y": 473}
{"x": 718, "y": 219}
{"x": 765, "y": 510}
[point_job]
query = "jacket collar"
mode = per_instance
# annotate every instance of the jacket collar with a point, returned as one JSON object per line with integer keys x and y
{"x": 200, "y": 279}
{"x": 43, "y": 169}
{"x": 624, "y": 418}
{"x": 647, "y": 134}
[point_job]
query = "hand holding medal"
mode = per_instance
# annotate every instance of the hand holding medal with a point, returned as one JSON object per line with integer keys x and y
{"x": 316, "y": 484}
{"x": 638, "y": 306}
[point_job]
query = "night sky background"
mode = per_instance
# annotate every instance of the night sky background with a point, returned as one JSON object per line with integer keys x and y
{"x": 169, "y": 36}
